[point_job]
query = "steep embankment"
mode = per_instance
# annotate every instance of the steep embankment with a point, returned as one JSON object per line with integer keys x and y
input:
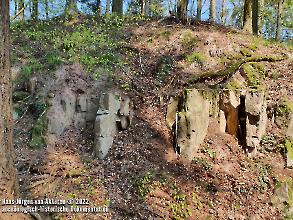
{"x": 141, "y": 176}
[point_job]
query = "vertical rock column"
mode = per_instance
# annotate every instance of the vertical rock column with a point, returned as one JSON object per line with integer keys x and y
{"x": 193, "y": 122}
{"x": 114, "y": 113}
{"x": 105, "y": 124}
{"x": 256, "y": 118}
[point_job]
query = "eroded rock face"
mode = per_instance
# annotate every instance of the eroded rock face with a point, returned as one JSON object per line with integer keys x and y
{"x": 229, "y": 107}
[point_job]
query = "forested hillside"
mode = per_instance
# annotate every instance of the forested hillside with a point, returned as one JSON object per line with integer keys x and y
{"x": 146, "y": 109}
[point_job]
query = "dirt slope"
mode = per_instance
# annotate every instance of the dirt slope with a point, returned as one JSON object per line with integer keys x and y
{"x": 142, "y": 177}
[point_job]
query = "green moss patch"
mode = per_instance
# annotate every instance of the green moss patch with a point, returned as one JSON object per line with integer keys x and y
{"x": 285, "y": 107}
{"x": 233, "y": 85}
{"x": 38, "y": 132}
{"x": 255, "y": 74}
{"x": 245, "y": 52}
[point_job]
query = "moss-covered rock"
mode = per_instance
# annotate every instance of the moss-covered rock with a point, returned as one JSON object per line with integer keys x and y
{"x": 283, "y": 197}
{"x": 284, "y": 110}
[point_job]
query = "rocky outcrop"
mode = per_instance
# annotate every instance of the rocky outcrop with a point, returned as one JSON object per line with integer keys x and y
{"x": 239, "y": 113}
{"x": 114, "y": 113}
{"x": 256, "y": 118}
{"x": 73, "y": 104}
{"x": 106, "y": 114}
{"x": 193, "y": 122}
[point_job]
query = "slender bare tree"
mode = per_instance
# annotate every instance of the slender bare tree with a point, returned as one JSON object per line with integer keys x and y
{"x": 182, "y": 10}
{"x": 279, "y": 19}
{"x": 35, "y": 9}
{"x": 255, "y": 16}
{"x": 212, "y": 17}
{"x": 198, "y": 10}
{"x": 117, "y": 7}
{"x": 247, "y": 16}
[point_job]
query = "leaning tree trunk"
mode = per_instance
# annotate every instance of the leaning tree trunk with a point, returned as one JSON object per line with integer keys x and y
{"x": 71, "y": 8}
{"x": 255, "y": 16}
{"x": 21, "y": 9}
{"x": 247, "y": 16}
{"x": 182, "y": 10}
{"x": 279, "y": 20}
{"x": 35, "y": 10}
{"x": 117, "y": 7}
{"x": 212, "y": 17}
{"x": 198, "y": 10}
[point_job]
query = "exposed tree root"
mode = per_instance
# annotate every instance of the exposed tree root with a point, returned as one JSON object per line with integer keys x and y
{"x": 227, "y": 73}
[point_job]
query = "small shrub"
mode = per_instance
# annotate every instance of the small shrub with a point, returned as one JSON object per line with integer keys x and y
{"x": 263, "y": 178}
{"x": 212, "y": 154}
{"x": 206, "y": 165}
{"x": 165, "y": 66}
{"x": 143, "y": 184}
{"x": 196, "y": 57}
{"x": 189, "y": 40}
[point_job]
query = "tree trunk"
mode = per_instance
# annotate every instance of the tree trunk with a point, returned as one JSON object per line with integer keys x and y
{"x": 97, "y": 7}
{"x": 71, "y": 8}
{"x": 8, "y": 181}
{"x": 191, "y": 8}
{"x": 260, "y": 16}
{"x": 198, "y": 10}
{"x": 15, "y": 7}
{"x": 47, "y": 9}
{"x": 212, "y": 17}
{"x": 108, "y": 5}
{"x": 223, "y": 12}
{"x": 170, "y": 8}
{"x": 35, "y": 10}
{"x": 279, "y": 20}
{"x": 255, "y": 7}
{"x": 182, "y": 10}
{"x": 247, "y": 16}
{"x": 117, "y": 7}
{"x": 145, "y": 7}
{"x": 21, "y": 7}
